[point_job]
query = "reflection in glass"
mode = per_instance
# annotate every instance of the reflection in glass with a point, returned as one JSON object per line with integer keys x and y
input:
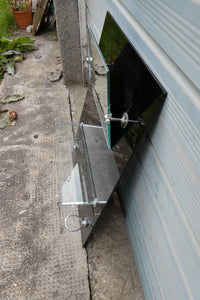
{"x": 133, "y": 88}
{"x": 122, "y": 83}
{"x": 100, "y": 85}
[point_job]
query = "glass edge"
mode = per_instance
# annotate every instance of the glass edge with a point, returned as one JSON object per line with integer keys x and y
{"x": 99, "y": 50}
{"x": 88, "y": 159}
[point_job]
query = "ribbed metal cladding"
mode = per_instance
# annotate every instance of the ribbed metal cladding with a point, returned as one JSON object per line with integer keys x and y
{"x": 161, "y": 185}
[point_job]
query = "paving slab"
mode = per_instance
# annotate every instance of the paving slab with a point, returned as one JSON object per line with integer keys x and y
{"x": 39, "y": 258}
{"x": 112, "y": 269}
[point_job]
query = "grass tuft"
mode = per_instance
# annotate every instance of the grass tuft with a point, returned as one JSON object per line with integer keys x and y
{"x": 7, "y": 21}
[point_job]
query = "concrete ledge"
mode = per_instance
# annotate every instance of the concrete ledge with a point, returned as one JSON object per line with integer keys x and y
{"x": 67, "y": 21}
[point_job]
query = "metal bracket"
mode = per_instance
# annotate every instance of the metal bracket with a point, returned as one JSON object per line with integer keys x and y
{"x": 94, "y": 203}
{"x": 124, "y": 120}
{"x": 77, "y": 147}
{"x": 89, "y": 59}
{"x": 83, "y": 222}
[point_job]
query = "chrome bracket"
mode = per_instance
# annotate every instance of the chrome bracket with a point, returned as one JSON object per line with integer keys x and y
{"x": 77, "y": 147}
{"x": 82, "y": 222}
{"x": 89, "y": 59}
{"x": 124, "y": 120}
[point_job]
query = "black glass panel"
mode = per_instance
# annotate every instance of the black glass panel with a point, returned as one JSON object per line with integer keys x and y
{"x": 133, "y": 88}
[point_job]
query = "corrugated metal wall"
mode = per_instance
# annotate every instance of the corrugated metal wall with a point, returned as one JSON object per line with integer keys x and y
{"x": 161, "y": 186}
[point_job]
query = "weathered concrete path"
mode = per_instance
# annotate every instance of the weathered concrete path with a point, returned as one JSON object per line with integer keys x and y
{"x": 39, "y": 258}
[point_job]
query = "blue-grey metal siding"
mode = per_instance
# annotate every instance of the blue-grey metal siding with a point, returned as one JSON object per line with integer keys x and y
{"x": 161, "y": 186}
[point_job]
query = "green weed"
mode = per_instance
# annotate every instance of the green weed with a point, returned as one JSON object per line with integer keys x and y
{"x": 12, "y": 51}
{"x": 7, "y": 21}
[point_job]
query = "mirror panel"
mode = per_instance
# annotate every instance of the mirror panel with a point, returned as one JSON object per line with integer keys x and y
{"x": 131, "y": 87}
{"x": 100, "y": 80}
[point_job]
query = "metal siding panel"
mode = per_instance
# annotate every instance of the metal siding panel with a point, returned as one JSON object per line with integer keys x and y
{"x": 182, "y": 177}
{"x": 173, "y": 28}
{"x": 147, "y": 289}
{"x": 143, "y": 259}
{"x": 184, "y": 244}
{"x": 161, "y": 187}
{"x": 154, "y": 290}
{"x": 173, "y": 32}
{"x": 157, "y": 225}
{"x": 96, "y": 12}
{"x": 180, "y": 122}
{"x": 170, "y": 76}
{"x": 174, "y": 257}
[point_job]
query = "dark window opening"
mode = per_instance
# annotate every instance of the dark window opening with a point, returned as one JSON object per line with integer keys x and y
{"x": 133, "y": 88}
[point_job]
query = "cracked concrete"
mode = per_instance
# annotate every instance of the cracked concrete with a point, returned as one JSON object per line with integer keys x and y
{"x": 40, "y": 259}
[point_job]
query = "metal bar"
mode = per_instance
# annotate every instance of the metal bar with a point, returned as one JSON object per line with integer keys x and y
{"x": 81, "y": 203}
{"x": 120, "y": 120}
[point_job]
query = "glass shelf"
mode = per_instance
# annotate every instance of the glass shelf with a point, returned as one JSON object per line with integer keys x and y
{"x": 85, "y": 165}
{"x": 75, "y": 176}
